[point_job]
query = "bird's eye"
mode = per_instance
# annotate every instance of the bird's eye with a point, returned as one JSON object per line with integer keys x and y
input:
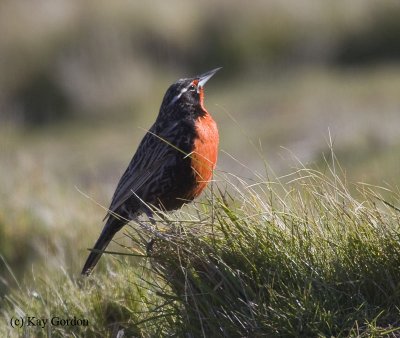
{"x": 192, "y": 88}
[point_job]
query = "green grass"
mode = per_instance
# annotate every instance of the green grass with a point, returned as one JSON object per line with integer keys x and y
{"x": 296, "y": 256}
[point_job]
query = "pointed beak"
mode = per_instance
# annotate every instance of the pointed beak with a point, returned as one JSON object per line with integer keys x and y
{"x": 203, "y": 78}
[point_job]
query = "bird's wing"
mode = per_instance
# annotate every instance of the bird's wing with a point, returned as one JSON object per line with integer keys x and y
{"x": 152, "y": 154}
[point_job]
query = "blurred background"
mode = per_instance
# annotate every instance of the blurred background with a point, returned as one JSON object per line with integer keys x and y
{"x": 81, "y": 81}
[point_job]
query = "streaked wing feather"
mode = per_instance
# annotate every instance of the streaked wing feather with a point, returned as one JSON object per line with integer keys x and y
{"x": 141, "y": 170}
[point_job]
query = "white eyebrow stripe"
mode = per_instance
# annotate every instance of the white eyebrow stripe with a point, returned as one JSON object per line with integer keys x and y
{"x": 177, "y": 97}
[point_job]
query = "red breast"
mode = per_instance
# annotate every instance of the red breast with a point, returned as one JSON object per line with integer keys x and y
{"x": 205, "y": 150}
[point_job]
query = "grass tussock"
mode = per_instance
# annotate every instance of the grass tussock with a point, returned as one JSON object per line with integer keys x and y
{"x": 310, "y": 260}
{"x": 296, "y": 256}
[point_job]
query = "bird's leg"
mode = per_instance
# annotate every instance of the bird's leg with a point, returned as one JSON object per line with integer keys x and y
{"x": 152, "y": 229}
{"x": 150, "y": 216}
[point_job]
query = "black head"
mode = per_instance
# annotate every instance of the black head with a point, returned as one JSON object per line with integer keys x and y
{"x": 184, "y": 98}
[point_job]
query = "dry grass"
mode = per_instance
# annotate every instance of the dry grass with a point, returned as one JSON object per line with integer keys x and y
{"x": 296, "y": 256}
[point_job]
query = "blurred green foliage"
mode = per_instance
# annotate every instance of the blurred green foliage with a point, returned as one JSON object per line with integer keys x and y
{"x": 71, "y": 58}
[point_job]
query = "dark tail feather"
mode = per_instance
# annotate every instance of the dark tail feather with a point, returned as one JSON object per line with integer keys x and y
{"x": 110, "y": 229}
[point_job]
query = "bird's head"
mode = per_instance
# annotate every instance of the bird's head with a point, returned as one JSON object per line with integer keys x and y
{"x": 186, "y": 96}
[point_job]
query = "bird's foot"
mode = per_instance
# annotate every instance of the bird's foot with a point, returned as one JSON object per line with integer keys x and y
{"x": 149, "y": 246}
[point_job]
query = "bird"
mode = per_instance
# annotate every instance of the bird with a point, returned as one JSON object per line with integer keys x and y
{"x": 172, "y": 165}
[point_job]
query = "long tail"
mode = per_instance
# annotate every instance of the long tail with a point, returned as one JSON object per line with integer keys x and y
{"x": 112, "y": 226}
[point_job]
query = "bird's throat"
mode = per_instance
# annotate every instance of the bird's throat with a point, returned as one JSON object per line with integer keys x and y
{"x": 201, "y": 99}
